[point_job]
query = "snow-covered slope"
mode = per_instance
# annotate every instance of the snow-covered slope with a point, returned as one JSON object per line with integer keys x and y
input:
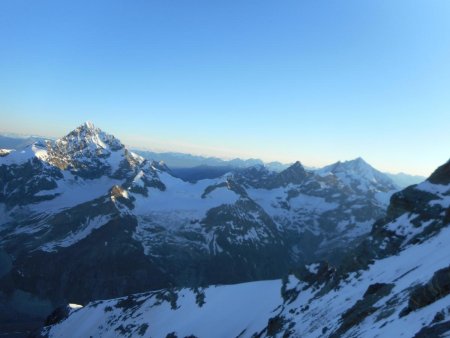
{"x": 216, "y": 311}
{"x": 368, "y": 303}
{"x": 395, "y": 284}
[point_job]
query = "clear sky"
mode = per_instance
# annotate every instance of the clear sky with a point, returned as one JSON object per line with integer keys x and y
{"x": 316, "y": 81}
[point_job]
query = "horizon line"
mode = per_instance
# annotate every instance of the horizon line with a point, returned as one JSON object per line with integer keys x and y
{"x": 206, "y": 156}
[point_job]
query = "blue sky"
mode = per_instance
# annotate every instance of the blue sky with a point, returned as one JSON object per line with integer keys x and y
{"x": 315, "y": 81}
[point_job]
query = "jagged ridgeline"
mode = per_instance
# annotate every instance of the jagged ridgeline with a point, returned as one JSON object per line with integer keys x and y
{"x": 395, "y": 283}
{"x": 83, "y": 218}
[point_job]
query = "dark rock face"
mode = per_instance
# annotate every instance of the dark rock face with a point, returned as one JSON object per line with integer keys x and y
{"x": 20, "y": 183}
{"x": 434, "y": 331}
{"x": 363, "y": 307}
{"x": 80, "y": 273}
{"x": 148, "y": 175}
{"x": 412, "y": 200}
{"x": 439, "y": 317}
{"x": 275, "y": 326}
{"x": 58, "y": 315}
{"x": 324, "y": 273}
{"x": 441, "y": 175}
{"x": 295, "y": 174}
{"x": 260, "y": 177}
{"x": 437, "y": 288}
{"x": 377, "y": 289}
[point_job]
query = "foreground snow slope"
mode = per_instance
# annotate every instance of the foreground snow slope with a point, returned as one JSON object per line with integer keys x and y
{"x": 227, "y": 310}
{"x": 247, "y": 309}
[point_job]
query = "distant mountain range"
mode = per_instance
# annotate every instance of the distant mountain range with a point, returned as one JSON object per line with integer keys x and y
{"x": 404, "y": 180}
{"x": 194, "y": 167}
{"x": 181, "y": 160}
{"x": 16, "y": 142}
{"x": 197, "y": 167}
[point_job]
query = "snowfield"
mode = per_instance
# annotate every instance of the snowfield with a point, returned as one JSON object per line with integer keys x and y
{"x": 229, "y": 311}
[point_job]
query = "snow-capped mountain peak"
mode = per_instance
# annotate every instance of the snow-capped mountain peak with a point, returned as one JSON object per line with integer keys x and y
{"x": 297, "y": 165}
{"x": 358, "y": 165}
{"x": 88, "y": 125}
{"x": 359, "y": 174}
{"x": 88, "y": 136}
{"x": 294, "y": 174}
{"x": 90, "y": 152}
